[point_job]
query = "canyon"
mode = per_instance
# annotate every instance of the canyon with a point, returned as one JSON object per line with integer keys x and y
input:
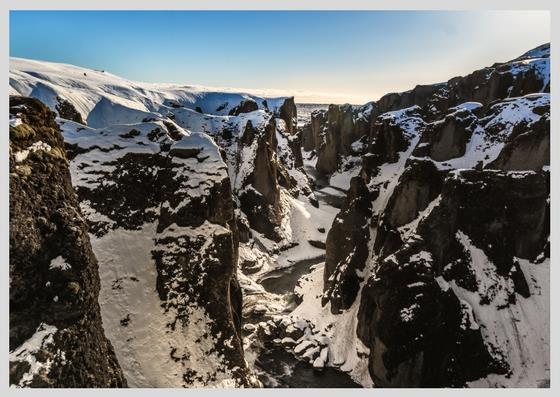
{"x": 180, "y": 236}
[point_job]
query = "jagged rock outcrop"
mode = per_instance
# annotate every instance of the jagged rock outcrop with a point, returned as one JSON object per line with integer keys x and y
{"x": 260, "y": 192}
{"x": 170, "y": 180}
{"x": 67, "y": 111}
{"x": 347, "y": 247}
{"x": 419, "y": 184}
{"x": 314, "y": 130}
{"x": 448, "y": 138}
{"x": 288, "y": 112}
{"x": 306, "y": 137}
{"x": 331, "y": 132}
{"x": 348, "y": 239}
{"x": 56, "y": 331}
{"x": 437, "y": 267}
{"x": 345, "y": 124}
{"x": 527, "y": 150}
{"x": 387, "y": 137}
{"x": 526, "y": 74}
{"x": 418, "y": 96}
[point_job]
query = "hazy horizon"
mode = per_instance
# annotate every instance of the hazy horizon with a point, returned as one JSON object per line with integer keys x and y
{"x": 319, "y": 57}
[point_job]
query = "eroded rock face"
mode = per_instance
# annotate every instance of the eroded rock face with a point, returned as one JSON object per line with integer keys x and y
{"x": 528, "y": 147}
{"x": 527, "y": 74}
{"x": 170, "y": 179}
{"x": 288, "y": 113}
{"x": 317, "y": 128}
{"x": 527, "y": 151}
{"x": 419, "y": 184}
{"x": 307, "y": 138}
{"x": 331, "y": 133}
{"x": 347, "y": 248}
{"x": 345, "y": 124}
{"x": 158, "y": 183}
{"x": 387, "y": 140}
{"x": 56, "y": 332}
{"x": 448, "y": 138}
{"x": 416, "y": 315}
{"x": 67, "y": 111}
{"x": 261, "y": 195}
{"x": 245, "y": 106}
{"x": 418, "y": 96}
{"x": 348, "y": 239}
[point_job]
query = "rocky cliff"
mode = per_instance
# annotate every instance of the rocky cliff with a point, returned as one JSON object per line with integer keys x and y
{"x": 56, "y": 330}
{"x": 459, "y": 235}
{"x": 334, "y": 134}
{"x": 437, "y": 266}
{"x": 157, "y": 185}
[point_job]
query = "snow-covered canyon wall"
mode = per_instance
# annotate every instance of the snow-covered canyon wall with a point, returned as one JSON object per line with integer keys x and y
{"x": 439, "y": 260}
{"x": 170, "y": 180}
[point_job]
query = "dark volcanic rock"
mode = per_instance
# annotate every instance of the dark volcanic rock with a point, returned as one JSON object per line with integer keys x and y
{"x": 387, "y": 138}
{"x": 348, "y": 238}
{"x": 245, "y": 106}
{"x": 67, "y": 111}
{"x": 459, "y": 238}
{"x": 448, "y": 138}
{"x": 307, "y": 137}
{"x": 55, "y": 321}
{"x": 344, "y": 125}
{"x": 347, "y": 248}
{"x": 413, "y": 322}
{"x": 418, "y": 96}
{"x": 417, "y": 333}
{"x": 518, "y": 77}
{"x": 260, "y": 200}
{"x": 181, "y": 186}
{"x": 288, "y": 113}
{"x": 417, "y": 187}
{"x": 332, "y": 132}
{"x": 528, "y": 149}
{"x": 317, "y": 128}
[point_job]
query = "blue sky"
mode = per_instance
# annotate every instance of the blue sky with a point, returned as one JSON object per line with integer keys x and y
{"x": 318, "y": 56}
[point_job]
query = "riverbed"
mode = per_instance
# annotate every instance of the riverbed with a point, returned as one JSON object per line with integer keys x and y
{"x": 273, "y": 365}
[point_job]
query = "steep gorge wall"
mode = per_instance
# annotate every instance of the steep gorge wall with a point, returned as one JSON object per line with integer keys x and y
{"x": 457, "y": 258}
{"x": 56, "y": 331}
